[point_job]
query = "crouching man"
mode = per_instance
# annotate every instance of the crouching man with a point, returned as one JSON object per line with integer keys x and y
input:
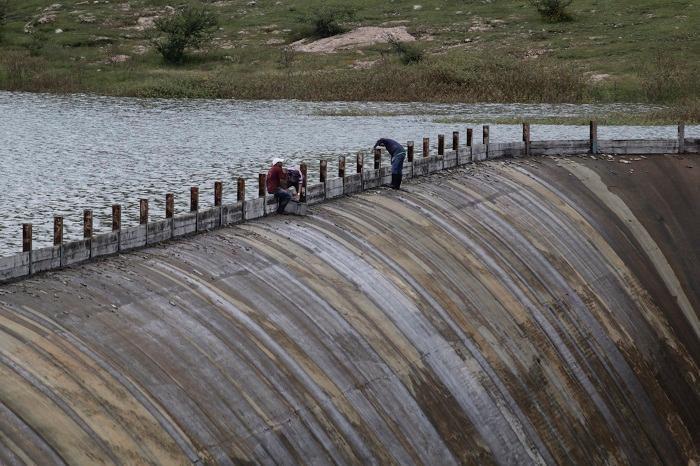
{"x": 274, "y": 184}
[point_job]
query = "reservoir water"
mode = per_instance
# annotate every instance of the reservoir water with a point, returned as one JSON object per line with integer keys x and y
{"x": 62, "y": 154}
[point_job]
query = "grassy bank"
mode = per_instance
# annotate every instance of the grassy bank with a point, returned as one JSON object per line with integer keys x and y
{"x": 643, "y": 51}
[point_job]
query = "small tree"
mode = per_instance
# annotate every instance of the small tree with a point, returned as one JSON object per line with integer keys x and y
{"x": 190, "y": 27}
{"x": 553, "y": 11}
{"x": 408, "y": 53}
{"x": 324, "y": 22}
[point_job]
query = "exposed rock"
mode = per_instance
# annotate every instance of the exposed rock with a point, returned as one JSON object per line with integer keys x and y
{"x": 600, "y": 77}
{"x": 140, "y": 49}
{"x": 86, "y": 18}
{"x": 145, "y": 22}
{"x": 53, "y": 7}
{"x": 274, "y": 41}
{"x": 364, "y": 64}
{"x": 119, "y": 58}
{"x": 535, "y": 53}
{"x": 58, "y": 31}
{"x": 360, "y": 37}
{"x": 46, "y": 19}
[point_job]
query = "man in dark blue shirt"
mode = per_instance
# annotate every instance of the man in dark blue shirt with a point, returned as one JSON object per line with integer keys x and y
{"x": 398, "y": 154}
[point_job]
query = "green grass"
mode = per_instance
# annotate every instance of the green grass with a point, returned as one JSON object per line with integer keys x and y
{"x": 474, "y": 51}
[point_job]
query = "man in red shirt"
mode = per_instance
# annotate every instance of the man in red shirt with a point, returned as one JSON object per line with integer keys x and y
{"x": 274, "y": 184}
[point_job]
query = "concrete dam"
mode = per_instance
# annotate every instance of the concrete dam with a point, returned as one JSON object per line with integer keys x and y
{"x": 536, "y": 311}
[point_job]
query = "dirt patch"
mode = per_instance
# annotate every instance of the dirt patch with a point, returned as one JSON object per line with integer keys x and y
{"x": 360, "y": 37}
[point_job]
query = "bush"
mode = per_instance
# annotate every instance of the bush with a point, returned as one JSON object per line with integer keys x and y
{"x": 408, "y": 53}
{"x": 3, "y": 16}
{"x": 190, "y": 27}
{"x": 324, "y": 23}
{"x": 553, "y": 11}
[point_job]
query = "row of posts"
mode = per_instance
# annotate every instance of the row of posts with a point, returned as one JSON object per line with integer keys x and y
{"x": 218, "y": 186}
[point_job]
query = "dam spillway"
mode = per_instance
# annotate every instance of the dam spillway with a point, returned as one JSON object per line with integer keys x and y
{"x": 541, "y": 311}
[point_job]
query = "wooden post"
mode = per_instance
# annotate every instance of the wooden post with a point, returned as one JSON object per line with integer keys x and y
{"x": 26, "y": 237}
{"x": 240, "y": 192}
{"x": 87, "y": 224}
{"x": 194, "y": 199}
{"x": 218, "y": 193}
{"x": 593, "y": 130}
{"x": 360, "y": 161}
{"x": 526, "y": 137}
{"x": 455, "y": 140}
{"x": 486, "y": 134}
{"x": 681, "y": 137}
{"x": 377, "y": 158}
{"x": 426, "y": 147}
{"x": 143, "y": 211}
{"x": 469, "y": 137}
{"x": 441, "y": 144}
{"x": 304, "y": 183}
{"x": 323, "y": 170}
{"x": 116, "y": 217}
{"x": 341, "y": 166}
{"x": 169, "y": 205}
{"x": 262, "y": 178}
{"x": 409, "y": 146}
{"x": 57, "y": 231}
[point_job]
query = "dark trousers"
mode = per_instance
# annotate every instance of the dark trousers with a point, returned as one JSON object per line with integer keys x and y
{"x": 282, "y": 196}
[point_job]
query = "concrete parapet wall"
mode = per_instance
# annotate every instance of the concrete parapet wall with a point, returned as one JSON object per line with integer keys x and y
{"x": 209, "y": 219}
{"x": 315, "y": 193}
{"x": 231, "y": 213}
{"x": 74, "y": 252}
{"x": 352, "y": 184}
{"x": 370, "y": 179}
{"x": 254, "y": 208}
{"x": 16, "y": 266}
{"x": 105, "y": 244}
{"x": 185, "y": 224}
{"x": 334, "y": 188}
{"x": 160, "y": 230}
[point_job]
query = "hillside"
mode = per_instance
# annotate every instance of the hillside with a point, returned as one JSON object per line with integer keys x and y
{"x": 491, "y": 50}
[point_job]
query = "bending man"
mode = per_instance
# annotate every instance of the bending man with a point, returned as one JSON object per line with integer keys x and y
{"x": 274, "y": 184}
{"x": 398, "y": 154}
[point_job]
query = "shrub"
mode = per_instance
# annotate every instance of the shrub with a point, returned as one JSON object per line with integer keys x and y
{"x": 553, "y": 11}
{"x": 190, "y": 27}
{"x": 3, "y": 16}
{"x": 408, "y": 53}
{"x": 324, "y": 23}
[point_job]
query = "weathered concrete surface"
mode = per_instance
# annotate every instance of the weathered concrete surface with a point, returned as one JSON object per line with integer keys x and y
{"x": 524, "y": 312}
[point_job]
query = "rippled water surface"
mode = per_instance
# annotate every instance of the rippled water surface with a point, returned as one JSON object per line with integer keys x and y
{"x": 63, "y": 154}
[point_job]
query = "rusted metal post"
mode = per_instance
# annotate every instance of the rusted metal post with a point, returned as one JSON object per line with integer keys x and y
{"x": 218, "y": 193}
{"x": 469, "y": 137}
{"x": 143, "y": 211}
{"x": 26, "y": 237}
{"x": 341, "y": 166}
{"x": 240, "y": 192}
{"x": 116, "y": 217}
{"x": 194, "y": 199}
{"x": 441, "y": 144}
{"x": 377, "y": 158}
{"x": 57, "y": 230}
{"x": 486, "y": 134}
{"x": 169, "y": 205}
{"x": 409, "y": 147}
{"x": 455, "y": 140}
{"x": 426, "y": 147}
{"x": 681, "y": 137}
{"x": 593, "y": 130}
{"x": 323, "y": 170}
{"x": 262, "y": 178}
{"x": 360, "y": 161}
{"x": 304, "y": 169}
{"x": 87, "y": 224}
{"x": 526, "y": 137}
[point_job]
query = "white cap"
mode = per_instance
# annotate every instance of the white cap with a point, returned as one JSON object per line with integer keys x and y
{"x": 275, "y": 161}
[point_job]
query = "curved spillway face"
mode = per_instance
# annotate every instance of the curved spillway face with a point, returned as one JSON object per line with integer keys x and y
{"x": 537, "y": 312}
